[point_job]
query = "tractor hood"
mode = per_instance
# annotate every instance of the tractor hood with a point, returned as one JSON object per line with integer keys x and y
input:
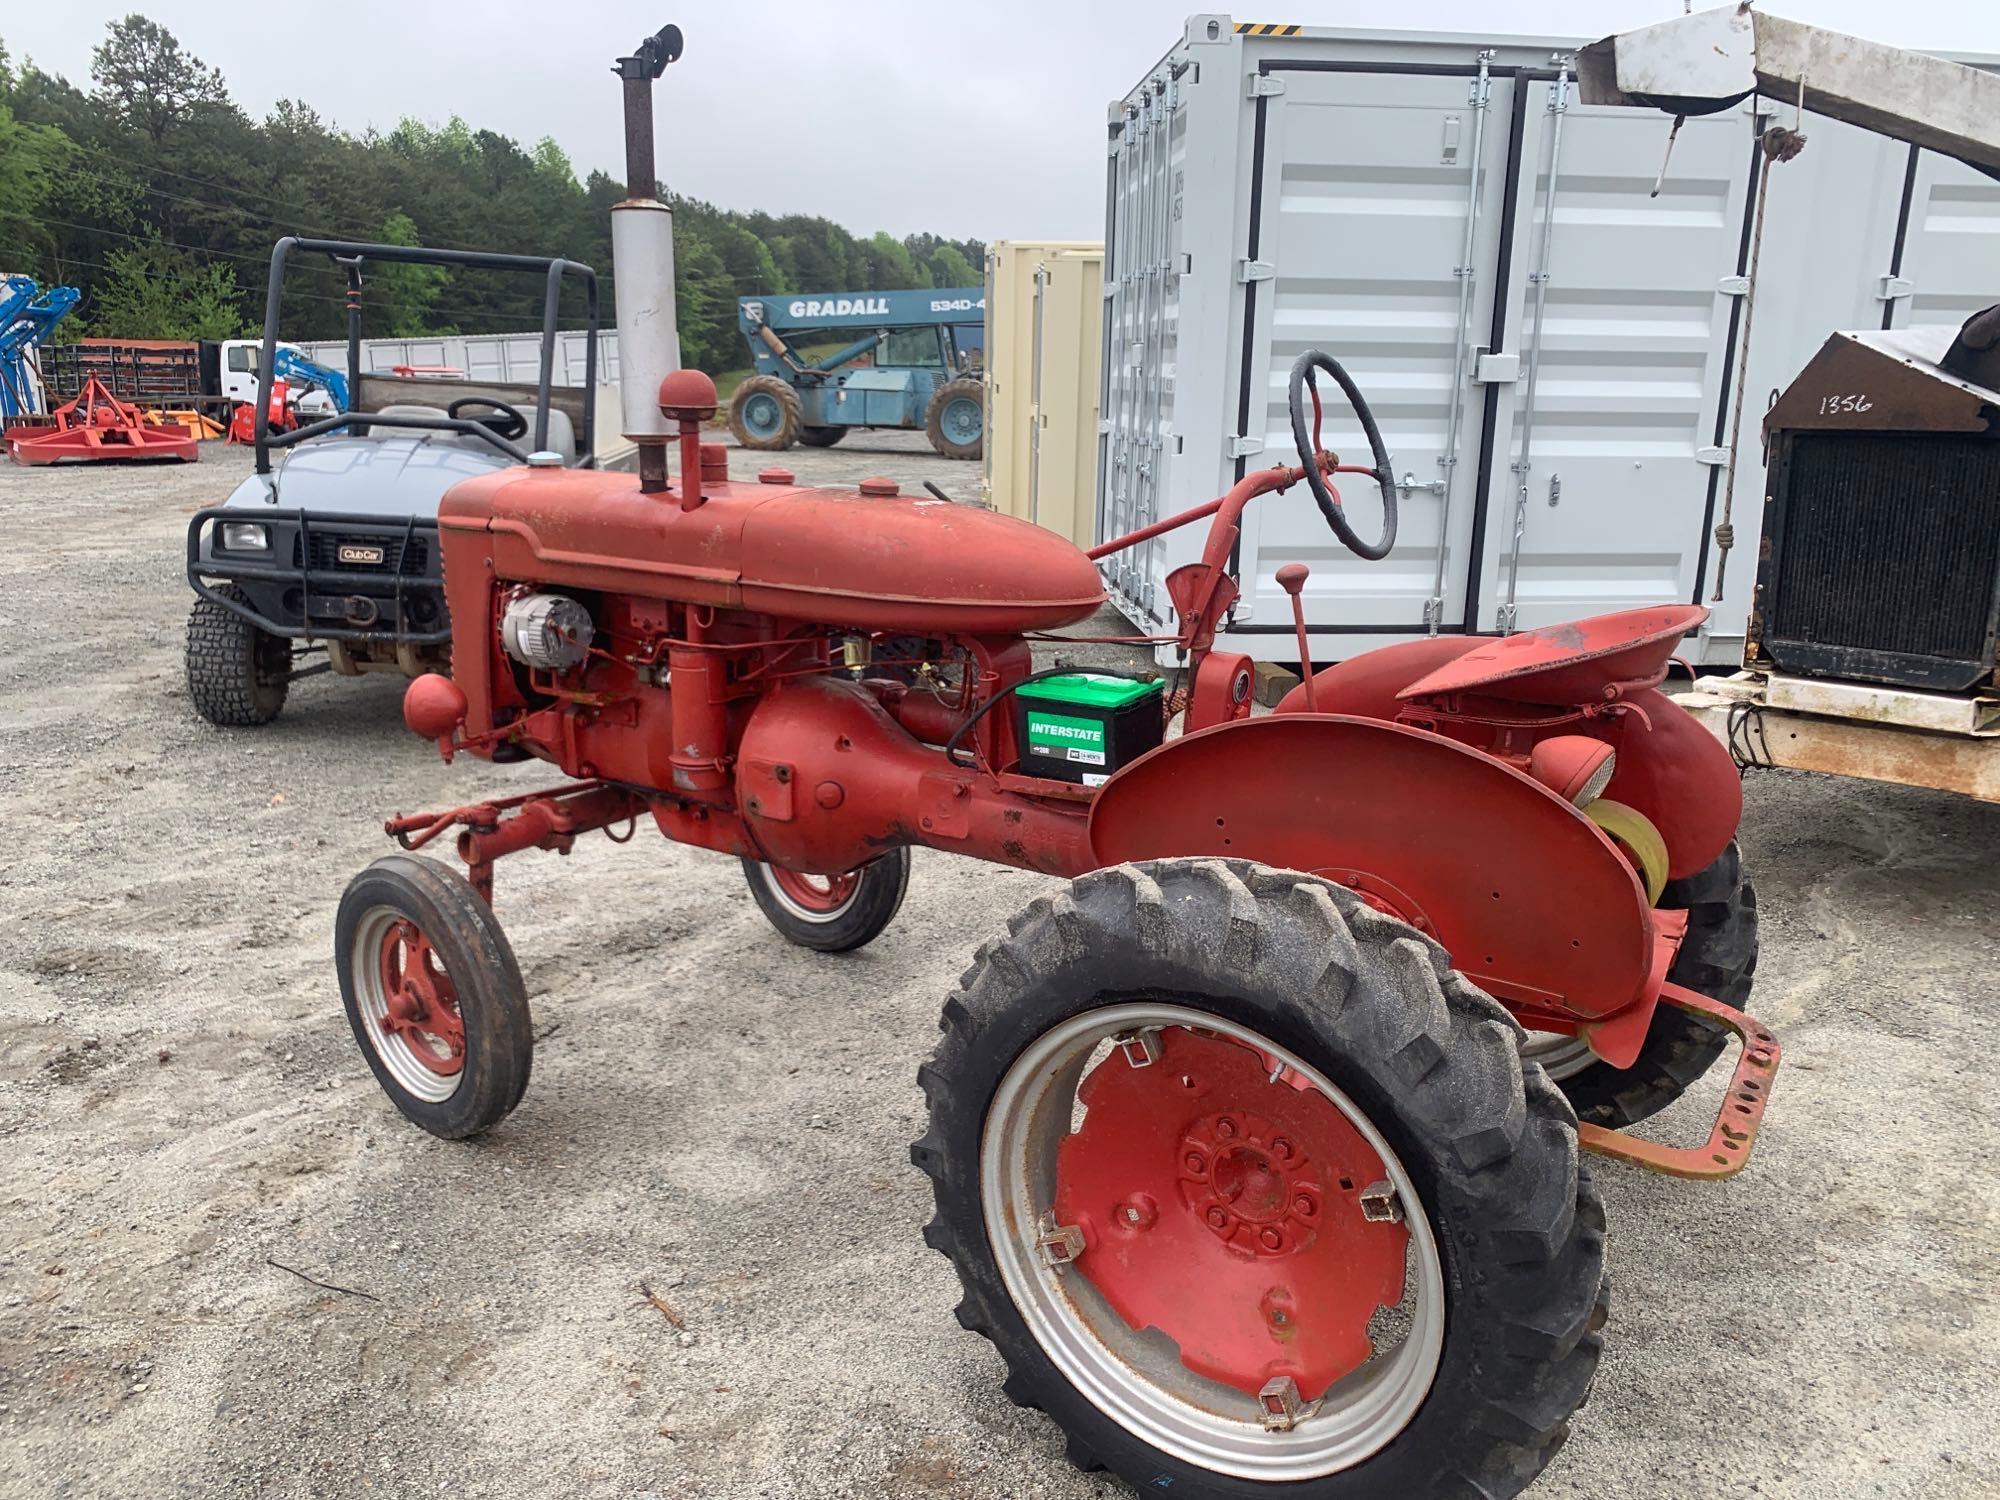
{"x": 393, "y": 474}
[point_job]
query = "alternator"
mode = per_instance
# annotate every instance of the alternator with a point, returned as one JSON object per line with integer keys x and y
{"x": 550, "y": 631}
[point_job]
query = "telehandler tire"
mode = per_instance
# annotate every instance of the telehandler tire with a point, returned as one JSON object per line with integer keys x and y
{"x": 1718, "y": 958}
{"x": 955, "y": 420}
{"x": 764, "y": 413}
{"x": 833, "y": 914}
{"x": 433, "y": 995}
{"x": 1256, "y": 1197}
{"x": 237, "y": 675}
{"x": 822, "y": 437}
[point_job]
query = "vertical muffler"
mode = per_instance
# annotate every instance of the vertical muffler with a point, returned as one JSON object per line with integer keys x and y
{"x": 642, "y": 263}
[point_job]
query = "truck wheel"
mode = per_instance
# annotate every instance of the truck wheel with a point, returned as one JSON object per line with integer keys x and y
{"x": 237, "y": 675}
{"x": 764, "y": 413}
{"x": 433, "y": 995}
{"x": 821, "y": 437}
{"x": 832, "y": 914}
{"x": 1718, "y": 958}
{"x": 955, "y": 421}
{"x": 1250, "y": 1190}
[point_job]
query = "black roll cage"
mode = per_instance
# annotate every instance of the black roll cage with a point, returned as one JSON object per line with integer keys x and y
{"x": 351, "y": 255}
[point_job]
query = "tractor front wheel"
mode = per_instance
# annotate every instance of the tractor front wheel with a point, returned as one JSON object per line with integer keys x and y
{"x": 1250, "y": 1190}
{"x": 1717, "y": 958}
{"x": 764, "y": 413}
{"x": 433, "y": 995}
{"x": 955, "y": 420}
{"x": 831, "y": 913}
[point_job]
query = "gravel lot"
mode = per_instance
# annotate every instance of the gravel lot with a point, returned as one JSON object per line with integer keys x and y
{"x": 725, "y": 1119}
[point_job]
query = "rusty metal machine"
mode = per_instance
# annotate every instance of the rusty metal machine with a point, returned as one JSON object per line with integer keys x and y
{"x": 1256, "y": 1142}
{"x": 97, "y": 427}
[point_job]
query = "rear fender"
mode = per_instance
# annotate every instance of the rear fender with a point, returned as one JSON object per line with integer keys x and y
{"x": 1533, "y": 902}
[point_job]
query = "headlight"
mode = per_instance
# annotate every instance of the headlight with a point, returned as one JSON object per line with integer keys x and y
{"x": 246, "y": 536}
{"x": 1575, "y": 767}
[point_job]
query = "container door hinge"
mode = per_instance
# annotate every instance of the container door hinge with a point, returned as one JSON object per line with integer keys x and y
{"x": 1503, "y": 619}
{"x": 1717, "y": 456}
{"x": 1255, "y": 270}
{"x": 1244, "y": 447}
{"x": 1734, "y": 286}
{"x": 1263, "y": 86}
{"x": 1892, "y": 288}
{"x": 1433, "y": 613}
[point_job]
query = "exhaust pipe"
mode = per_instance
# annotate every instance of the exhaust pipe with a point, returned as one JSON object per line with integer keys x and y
{"x": 642, "y": 261}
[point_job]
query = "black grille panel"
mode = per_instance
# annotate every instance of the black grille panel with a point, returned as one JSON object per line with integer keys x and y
{"x": 1889, "y": 551}
{"x": 409, "y": 561}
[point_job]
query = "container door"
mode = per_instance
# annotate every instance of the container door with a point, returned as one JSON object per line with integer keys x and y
{"x": 1619, "y": 308}
{"x": 1367, "y": 186}
{"x": 1951, "y": 247}
{"x": 1141, "y": 277}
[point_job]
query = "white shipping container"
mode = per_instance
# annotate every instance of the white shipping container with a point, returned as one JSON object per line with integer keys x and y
{"x": 1548, "y": 346}
{"x": 482, "y": 356}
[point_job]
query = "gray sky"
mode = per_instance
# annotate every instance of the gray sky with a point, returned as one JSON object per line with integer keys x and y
{"x": 980, "y": 120}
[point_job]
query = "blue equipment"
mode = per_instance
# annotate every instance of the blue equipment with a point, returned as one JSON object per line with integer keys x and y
{"x": 27, "y": 317}
{"x": 289, "y": 365}
{"x": 910, "y": 359}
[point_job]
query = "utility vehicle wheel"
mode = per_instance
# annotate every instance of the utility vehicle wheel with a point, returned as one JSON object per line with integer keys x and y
{"x": 821, "y": 437}
{"x": 434, "y": 995}
{"x": 237, "y": 675}
{"x": 1255, "y": 1197}
{"x": 764, "y": 413}
{"x": 831, "y": 913}
{"x": 955, "y": 421}
{"x": 1718, "y": 958}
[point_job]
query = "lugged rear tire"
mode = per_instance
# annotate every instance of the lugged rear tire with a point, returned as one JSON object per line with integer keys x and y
{"x": 1718, "y": 958}
{"x": 769, "y": 395}
{"x": 237, "y": 675}
{"x": 1487, "y": 1141}
{"x": 955, "y": 419}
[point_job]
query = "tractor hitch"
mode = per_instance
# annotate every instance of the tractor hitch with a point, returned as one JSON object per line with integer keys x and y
{"x": 548, "y": 819}
{"x": 1727, "y": 1149}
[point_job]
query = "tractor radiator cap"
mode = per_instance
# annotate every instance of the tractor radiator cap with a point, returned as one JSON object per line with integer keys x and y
{"x": 775, "y": 476}
{"x": 878, "y": 488}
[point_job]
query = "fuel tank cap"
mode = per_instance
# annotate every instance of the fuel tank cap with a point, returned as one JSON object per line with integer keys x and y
{"x": 879, "y": 488}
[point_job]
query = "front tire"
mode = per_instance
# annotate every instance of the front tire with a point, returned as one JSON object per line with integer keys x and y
{"x": 831, "y": 914}
{"x": 764, "y": 413}
{"x": 237, "y": 675}
{"x": 1718, "y": 958}
{"x": 821, "y": 437}
{"x": 1227, "y": 1000}
{"x": 433, "y": 995}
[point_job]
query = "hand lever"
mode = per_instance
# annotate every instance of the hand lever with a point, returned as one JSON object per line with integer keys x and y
{"x": 1292, "y": 579}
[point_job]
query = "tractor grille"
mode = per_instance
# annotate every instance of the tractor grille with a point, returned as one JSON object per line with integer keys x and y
{"x": 1888, "y": 563}
{"x": 410, "y": 560}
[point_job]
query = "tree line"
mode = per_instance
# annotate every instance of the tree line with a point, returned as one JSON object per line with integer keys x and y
{"x": 160, "y": 198}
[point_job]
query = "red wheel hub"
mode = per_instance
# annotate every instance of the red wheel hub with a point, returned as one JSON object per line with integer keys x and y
{"x": 1223, "y": 1207}
{"x": 820, "y": 893}
{"x": 422, "y": 1005}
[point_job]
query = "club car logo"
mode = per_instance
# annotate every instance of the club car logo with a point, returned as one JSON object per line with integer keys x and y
{"x": 350, "y": 553}
{"x": 840, "y": 307}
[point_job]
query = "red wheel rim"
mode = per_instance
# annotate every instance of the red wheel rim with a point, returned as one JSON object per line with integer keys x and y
{"x": 422, "y": 1005}
{"x": 1222, "y": 1206}
{"x": 822, "y": 895}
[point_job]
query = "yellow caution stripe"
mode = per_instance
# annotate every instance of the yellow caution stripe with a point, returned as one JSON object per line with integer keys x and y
{"x": 1266, "y": 28}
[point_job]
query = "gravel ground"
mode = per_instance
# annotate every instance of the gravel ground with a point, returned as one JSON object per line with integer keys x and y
{"x": 724, "y": 1119}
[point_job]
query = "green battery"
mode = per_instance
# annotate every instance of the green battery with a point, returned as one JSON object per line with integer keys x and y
{"x": 1083, "y": 726}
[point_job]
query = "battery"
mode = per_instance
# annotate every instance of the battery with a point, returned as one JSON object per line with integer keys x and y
{"x": 1083, "y": 726}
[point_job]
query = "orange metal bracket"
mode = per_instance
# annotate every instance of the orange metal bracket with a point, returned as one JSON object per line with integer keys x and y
{"x": 1728, "y": 1145}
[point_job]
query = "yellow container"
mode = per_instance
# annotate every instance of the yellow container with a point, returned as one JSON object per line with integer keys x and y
{"x": 1044, "y": 342}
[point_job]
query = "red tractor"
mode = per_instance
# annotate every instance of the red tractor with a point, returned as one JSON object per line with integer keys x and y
{"x": 1257, "y": 1146}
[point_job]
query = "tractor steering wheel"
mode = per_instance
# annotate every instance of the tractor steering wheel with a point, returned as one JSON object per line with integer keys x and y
{"x": 1302, "y": 384}
{"x": 508, "y": 424}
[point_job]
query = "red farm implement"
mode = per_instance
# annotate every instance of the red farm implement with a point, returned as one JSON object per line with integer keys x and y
{"x": 1257, "y": 1142}
{"x": 98, "y": 427}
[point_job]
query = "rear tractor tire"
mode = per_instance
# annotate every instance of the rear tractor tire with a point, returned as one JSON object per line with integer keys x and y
{"x": 955, "y": 420}
{"x": 764, "y": 413}
{"x": 832, "y": 914}
{"x": 1255, "y": 1196}
{"x": 433, "y": 995}
{"x": 1718, "y": 958}
{"x": 237, "y": 675}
